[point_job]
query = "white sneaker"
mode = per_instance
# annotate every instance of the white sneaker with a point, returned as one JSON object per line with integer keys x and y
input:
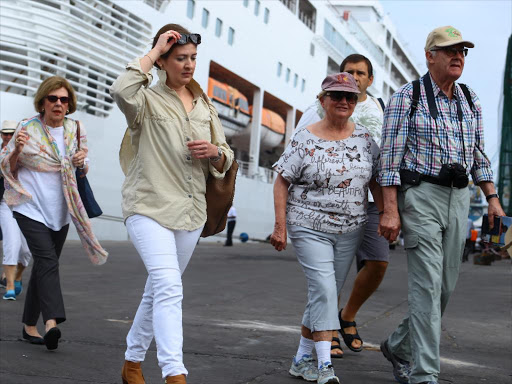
{"x": 326, "y": 374}
{"x": 305, "y": 368}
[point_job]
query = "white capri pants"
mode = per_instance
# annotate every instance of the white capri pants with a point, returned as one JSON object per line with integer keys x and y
{"x": 165, "y": 254}
{"x": 14, "y": 245}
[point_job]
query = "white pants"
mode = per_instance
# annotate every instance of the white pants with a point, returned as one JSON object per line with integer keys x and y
{"x": 14, "y": 244}
{"x": 165, "y": 254}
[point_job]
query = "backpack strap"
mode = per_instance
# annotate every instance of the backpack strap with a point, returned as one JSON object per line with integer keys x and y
{"x": 466, "y": 92}
{"x": 382, "y": 104}
{"x": 429, "y": 91}
{"x": 415, "y": 97}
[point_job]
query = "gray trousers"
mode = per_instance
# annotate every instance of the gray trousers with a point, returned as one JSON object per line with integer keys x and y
{"x": 434, "y": 221}
{"x": 325, "y": 259}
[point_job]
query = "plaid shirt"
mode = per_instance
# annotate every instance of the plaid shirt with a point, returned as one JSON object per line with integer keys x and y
{"x": 423, "y": 144}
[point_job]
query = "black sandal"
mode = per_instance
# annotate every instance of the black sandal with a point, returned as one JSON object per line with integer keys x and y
{"x": 336, "y": 356}
{"x": 348, "y": 338}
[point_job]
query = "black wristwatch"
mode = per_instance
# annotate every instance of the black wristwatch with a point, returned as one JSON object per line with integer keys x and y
{"x": 489, "y": 197}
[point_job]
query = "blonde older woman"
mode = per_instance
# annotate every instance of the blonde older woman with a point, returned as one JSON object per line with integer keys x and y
{"x": 39, "y": 171}
{"x": 174, "y": 141}
{"x": 320, "y": 198}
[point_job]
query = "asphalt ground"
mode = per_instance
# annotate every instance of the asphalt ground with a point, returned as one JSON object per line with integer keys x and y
{"x": 242, "y": 312}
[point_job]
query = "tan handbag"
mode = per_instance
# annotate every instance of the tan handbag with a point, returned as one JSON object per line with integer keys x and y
{"x": 219, "y": 198}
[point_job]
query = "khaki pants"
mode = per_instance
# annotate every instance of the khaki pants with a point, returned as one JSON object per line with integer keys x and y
{"x": 434, "y": 224}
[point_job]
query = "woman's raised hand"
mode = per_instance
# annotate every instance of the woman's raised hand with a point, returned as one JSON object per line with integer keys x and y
{"x": 20, "y": 141}
{"x": 202, "y": 149}
{"x": 78, "y": 159}
{"x": 166, "y": 40}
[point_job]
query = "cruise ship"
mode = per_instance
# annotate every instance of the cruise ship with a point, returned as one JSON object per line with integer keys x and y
{"x": 260, "y": 61}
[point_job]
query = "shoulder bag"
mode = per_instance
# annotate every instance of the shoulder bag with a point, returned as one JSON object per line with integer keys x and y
{"x": 85, "y": 190}
{"x": 219, "y": 197}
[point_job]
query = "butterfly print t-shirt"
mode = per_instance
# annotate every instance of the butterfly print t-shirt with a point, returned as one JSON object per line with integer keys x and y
{"x": 329, "y": 180}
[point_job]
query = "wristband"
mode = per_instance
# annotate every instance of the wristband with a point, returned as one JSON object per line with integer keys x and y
{"x": 489, "y": 197}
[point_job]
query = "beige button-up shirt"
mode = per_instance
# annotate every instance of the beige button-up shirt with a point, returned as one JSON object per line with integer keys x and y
{"x": 163, "y": 180}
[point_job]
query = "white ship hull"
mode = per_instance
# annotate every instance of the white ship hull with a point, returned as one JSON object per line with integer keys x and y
{"x": 277, "y": 59}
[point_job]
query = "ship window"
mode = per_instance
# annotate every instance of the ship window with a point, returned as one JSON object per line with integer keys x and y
{"x": 257, "y": 7}
{"x": 246, "y": 3}
{"x": 295, "y": 80}
{"x": 288, "y": 74}
{"x": 244, "y": 106}
{"x": 231, "y": 36}
{"x": 206, "y": 17}
{"x": 266, "y": 16}
{"x": 303, "y": 85}
{"x": 218, "y": 28}
{"x": 220, "y": 93}
{"x": 191, "y": 5}
{"x": 279, "y": 69}
{"x": 312, "y": 49}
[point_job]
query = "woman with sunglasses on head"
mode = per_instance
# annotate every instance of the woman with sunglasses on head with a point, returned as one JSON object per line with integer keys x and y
{"x": 320, "y": 199}
{"x": 39, "y": 170}
{"x": 173, "y": 142}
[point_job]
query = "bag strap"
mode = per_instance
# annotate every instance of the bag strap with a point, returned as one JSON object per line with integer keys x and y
{"x": 78, "y": 133}
{"x": 382, "y": 104}
{"x": 208, "y": 102}
{"x": 415, "y": 97}
{"x": 466, "y": 92}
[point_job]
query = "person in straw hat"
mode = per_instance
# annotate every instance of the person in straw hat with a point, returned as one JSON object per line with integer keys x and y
{"x": 16, "y": 253}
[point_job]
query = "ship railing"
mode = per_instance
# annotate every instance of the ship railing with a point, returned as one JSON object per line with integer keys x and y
{"x": 263, "y": 174}
{"x": 97, "y": 39}
{"x": 362, "y": 36}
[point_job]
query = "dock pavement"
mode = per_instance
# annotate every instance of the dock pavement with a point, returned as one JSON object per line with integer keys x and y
{"x": 241, "y": 313}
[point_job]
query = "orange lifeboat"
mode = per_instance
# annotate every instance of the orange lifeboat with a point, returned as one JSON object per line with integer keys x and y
{"x": 232, "y": 106}
{"x": 273, "y": 128}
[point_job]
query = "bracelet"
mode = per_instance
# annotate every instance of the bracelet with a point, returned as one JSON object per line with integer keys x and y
{"x": 381, "y": 212}
{"x": 150, "y": 59}
{"x": 489, "y": 197}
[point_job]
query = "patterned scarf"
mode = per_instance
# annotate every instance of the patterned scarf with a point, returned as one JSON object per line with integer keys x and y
{"x": 41, "y": 154}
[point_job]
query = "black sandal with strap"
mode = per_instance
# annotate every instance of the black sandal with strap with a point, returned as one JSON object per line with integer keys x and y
{"x": 348, "y": 338}
{"x": 333, "y": 347}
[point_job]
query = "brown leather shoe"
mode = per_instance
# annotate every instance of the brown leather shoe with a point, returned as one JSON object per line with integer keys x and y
{"x": 132, "y": 373}
{"x": 180, "y": 379}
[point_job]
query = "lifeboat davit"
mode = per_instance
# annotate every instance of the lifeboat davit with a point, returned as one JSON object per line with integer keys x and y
{"x": 231, "y": 105}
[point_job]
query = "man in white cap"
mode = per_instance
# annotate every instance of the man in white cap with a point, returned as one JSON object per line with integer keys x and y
{"x": 432, "y": 141}
{"x": 16, "y": 253}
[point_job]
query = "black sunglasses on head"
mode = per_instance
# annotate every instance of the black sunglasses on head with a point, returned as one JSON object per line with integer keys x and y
{"x": 339, "y": 95}
{"x": 188, "y": 38}
{"x": 53, "y": 99}
{"x": 450, "y": 51}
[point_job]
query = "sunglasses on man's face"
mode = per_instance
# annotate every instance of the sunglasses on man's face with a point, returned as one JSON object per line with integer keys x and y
{"x": 53, "y": 99}
{"x": 188, "y": 38}
{"x": 451, "y": 52}
{"x": 340, "y": 95}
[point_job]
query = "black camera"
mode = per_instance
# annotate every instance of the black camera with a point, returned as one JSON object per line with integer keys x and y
{"x": 454, "y": 174}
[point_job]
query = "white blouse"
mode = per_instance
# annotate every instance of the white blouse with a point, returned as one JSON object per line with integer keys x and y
{"x": 48, "y": 205}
